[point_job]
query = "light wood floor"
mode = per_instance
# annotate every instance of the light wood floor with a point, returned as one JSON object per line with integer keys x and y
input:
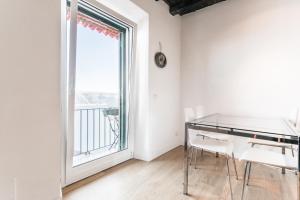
{"x": 162, "y": 179}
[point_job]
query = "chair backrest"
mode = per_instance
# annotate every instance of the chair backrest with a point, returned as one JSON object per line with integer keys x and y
{"x": 294, "y": 117}
{"x": 298, "y": 120}
{"x": 189, "y": 114}
{"x": 200, "y": 111}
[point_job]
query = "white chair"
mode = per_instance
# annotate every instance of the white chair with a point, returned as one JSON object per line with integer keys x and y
{"x": 189, "y": 116}
{"x": 218, "y": 136}
{"x": 281, "y": 145}
{"x": 284, "y": 146}
{"x": 197, "y": 142}
{"x": 265, "y": 157}
{"x": 297, "y": 121}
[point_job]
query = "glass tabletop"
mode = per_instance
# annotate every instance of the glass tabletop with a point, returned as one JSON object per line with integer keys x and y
{"x": 258, "y": 125}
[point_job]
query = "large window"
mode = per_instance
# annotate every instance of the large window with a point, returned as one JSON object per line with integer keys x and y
{"x": 100, "y": 77}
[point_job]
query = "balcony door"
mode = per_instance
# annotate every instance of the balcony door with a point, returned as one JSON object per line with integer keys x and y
{"x": 99, "y": 50}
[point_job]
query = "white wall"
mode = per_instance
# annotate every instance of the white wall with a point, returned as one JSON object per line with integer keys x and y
{"x": 29, "y": 103}
{"x": 157, "y": 91}
{"x": 238, "y": 57}
{"x": 139, "y": 89}
{"x": 30, "y": 131}
{"x": 164, "y": 84}
{"x": 242, "y": 57}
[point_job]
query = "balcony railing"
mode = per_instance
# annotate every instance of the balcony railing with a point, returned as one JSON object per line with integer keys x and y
{"x": 96, "y": 129}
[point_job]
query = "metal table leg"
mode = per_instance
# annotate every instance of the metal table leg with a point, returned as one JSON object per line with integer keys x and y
{"x": 186, "y": 167}
{"x": 283, "y": 152}
{"x": 298, "y": 171}
{"x": 298, "y": 185}
{"x": 244, "y": 180}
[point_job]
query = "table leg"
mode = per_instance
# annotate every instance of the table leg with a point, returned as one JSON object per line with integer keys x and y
{"x": 283, "y": 152}
{"x": 298, "y": 185}
{"x": 186, "y": 167}
{"x": 298, "y": 174}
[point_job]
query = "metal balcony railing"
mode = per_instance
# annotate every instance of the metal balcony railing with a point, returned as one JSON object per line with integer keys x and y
{"x": 95, "y": 129}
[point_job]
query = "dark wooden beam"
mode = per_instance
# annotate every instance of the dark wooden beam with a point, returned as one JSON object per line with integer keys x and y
{"x": 167, "y": 2}
{"x": 185, "y": 7}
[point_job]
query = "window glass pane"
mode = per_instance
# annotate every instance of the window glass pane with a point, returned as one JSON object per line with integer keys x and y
{"x": 99, "y": 89}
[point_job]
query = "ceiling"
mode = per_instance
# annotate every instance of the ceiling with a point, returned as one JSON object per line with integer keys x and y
{"x": 183, "y": 7}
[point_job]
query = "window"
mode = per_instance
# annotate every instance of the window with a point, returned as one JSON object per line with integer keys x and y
{"x": 100, "y": 79}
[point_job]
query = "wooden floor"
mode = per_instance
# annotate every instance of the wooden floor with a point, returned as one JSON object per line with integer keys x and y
{"x": 162, "y": 179}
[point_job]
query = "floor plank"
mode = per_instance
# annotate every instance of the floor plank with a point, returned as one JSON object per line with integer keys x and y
{"x": 162, "y": 179}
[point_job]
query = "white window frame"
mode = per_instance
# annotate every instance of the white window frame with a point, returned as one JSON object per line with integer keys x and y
{"x": 72, "y": 174}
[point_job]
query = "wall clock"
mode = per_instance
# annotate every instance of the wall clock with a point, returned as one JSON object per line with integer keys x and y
{"x": 160, "y": 59}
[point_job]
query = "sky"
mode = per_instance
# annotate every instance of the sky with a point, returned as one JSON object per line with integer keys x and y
{"x": 97, "y": 64}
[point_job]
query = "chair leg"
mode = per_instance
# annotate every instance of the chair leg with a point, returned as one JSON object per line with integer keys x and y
{"x": 244, "y": 181}
{"x": 191, "y": 154}
{"x": 196, "y": 155}
{"x": 229, "y": 179}
{"x": 234, "y": 164}
{"x": 249, "y": 171}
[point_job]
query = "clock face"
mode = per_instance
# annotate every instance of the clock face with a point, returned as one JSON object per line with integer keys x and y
{"x": 160, "y": 60}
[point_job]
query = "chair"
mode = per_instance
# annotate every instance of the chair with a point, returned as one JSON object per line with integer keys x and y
{"x": 297, "y": 121}
{"x": 265, "y": 157}
{"x": 199, "y": 142}
{"x": 200, "y": 113}
{"x": 190, "y": 115}
{"x": 112, "y": 114}
{"x": 283, "y": 146}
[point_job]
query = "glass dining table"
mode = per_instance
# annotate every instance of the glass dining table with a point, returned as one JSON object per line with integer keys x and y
{"x": 277, "y": 130}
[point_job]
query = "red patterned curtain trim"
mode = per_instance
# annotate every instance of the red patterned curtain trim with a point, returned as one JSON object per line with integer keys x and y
{"x": 94, "y": 25}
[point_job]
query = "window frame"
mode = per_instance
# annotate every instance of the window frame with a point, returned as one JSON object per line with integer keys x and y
{"x": 125, "y": 31}
{"x": 126, "y": 137}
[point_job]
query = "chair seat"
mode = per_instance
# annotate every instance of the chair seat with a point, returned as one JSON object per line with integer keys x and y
{"x": 213, "y": 145}
{"x": 268, "y": 143}
{"x": 269, "y": 158}
{"x": 217, "y": 136}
